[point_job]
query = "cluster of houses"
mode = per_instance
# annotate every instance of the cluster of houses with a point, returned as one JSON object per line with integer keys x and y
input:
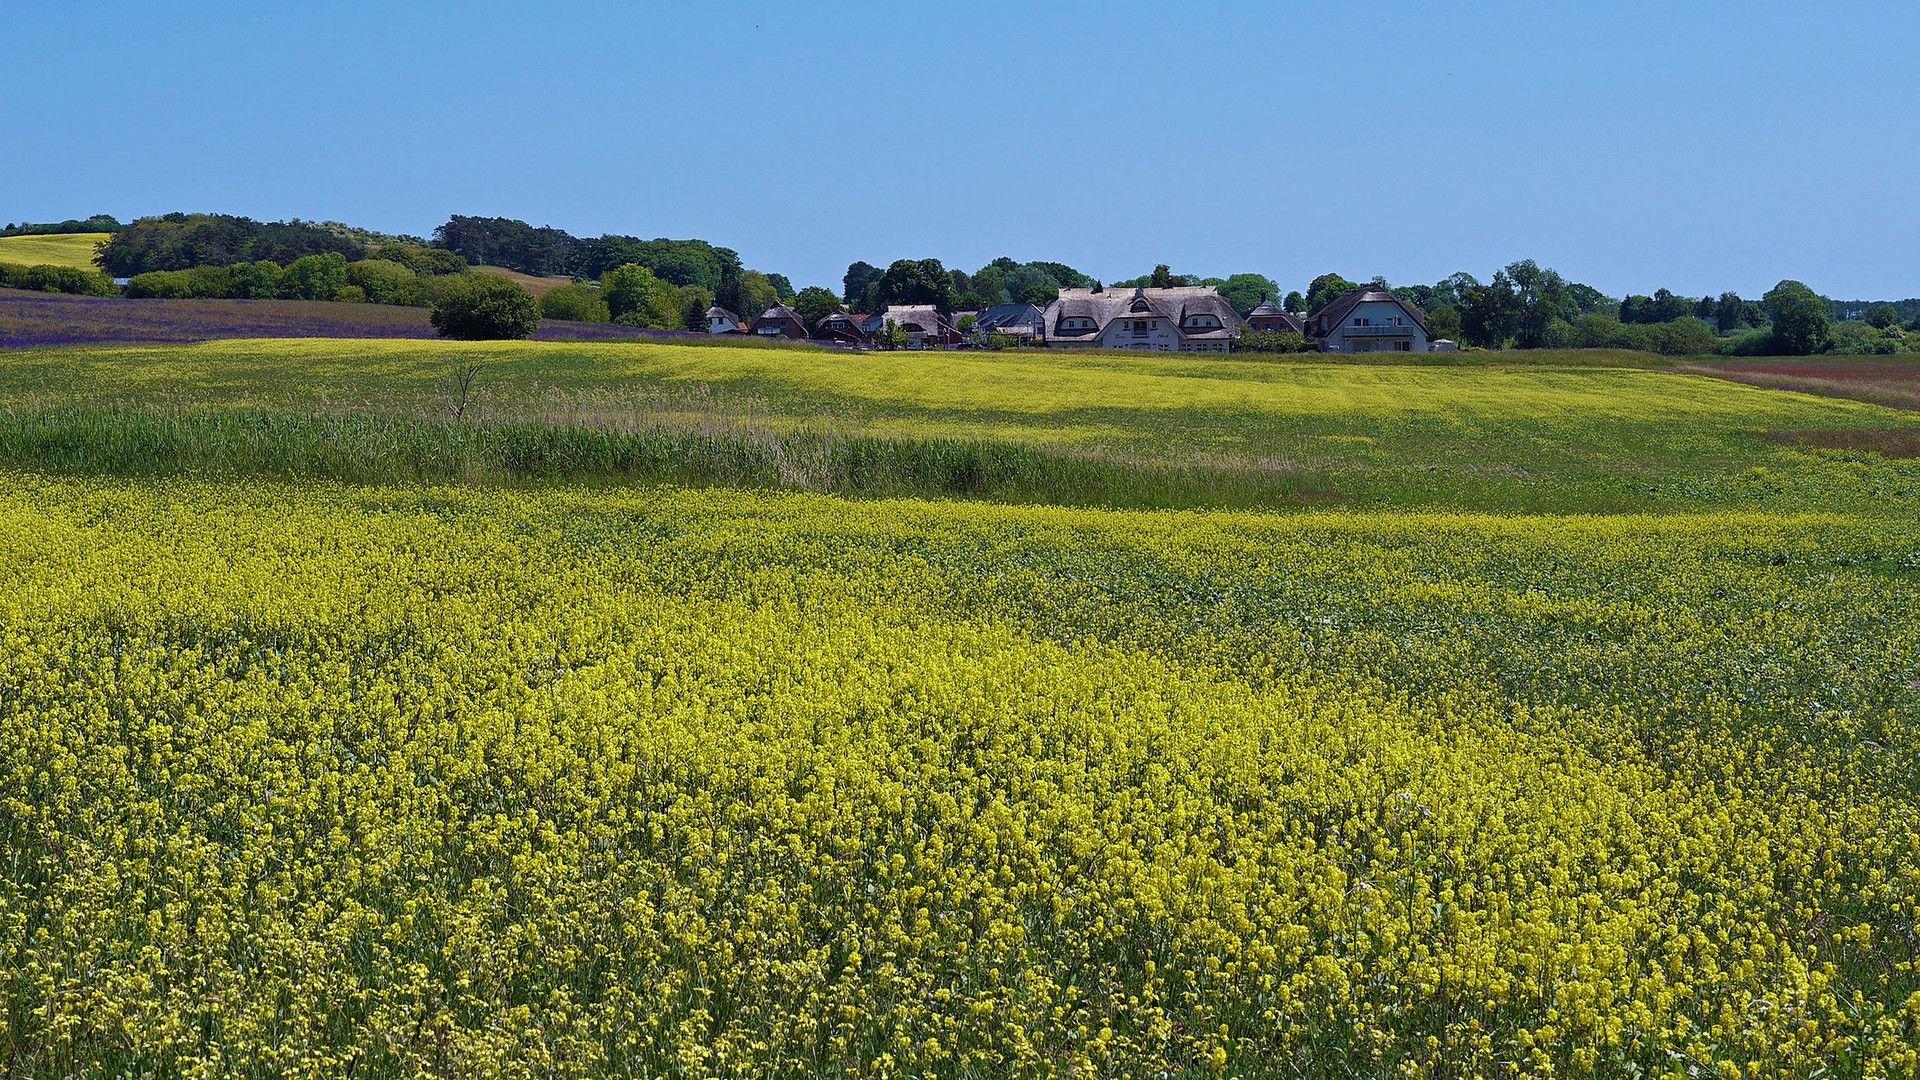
{"x": 1183, "y": 319}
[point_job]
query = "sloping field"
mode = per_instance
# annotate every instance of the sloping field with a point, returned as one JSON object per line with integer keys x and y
{"x": 68, "y": 249}
{"x": 531, "y": 282}
{"x": 1553, "y": 439}
{"x": 391, "y": 708}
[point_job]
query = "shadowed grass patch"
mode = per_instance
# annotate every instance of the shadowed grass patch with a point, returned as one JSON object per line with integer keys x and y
{"x": 137, "y": 441}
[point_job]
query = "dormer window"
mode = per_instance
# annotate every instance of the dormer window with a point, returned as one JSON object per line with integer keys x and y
{"x": 1141, "y": 305}
{"x": 1203, "y": 322}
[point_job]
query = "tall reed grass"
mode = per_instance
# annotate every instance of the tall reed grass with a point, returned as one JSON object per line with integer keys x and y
{"x": 542, "y": 446}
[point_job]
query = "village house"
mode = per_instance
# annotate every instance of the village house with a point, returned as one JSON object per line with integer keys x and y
{"x": 838, "y": 326}
{"x": 926, "y": 328}
{"x": 1369, "y": 320}
{"x": 1268, "y": 316}
{"x": 722, "y": 321}
{"x": 779, "y": 321}
{"x": 1194, "y": 318}
{"x": 1023, "y": 321}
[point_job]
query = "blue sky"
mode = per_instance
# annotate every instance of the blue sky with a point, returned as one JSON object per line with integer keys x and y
{"x": 1697, "y": 146}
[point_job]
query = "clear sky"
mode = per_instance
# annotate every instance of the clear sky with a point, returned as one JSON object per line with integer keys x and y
{"x": 1699, "y": 146}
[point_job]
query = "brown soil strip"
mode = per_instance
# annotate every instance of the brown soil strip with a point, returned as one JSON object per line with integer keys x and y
{"x": 1893, "y": 444}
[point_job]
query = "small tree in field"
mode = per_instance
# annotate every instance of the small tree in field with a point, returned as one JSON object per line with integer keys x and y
{"x": 480, "y": 307}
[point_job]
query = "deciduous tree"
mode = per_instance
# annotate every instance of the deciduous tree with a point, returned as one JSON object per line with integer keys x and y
{"x": 1800, "y": 323}
{"x": 478, "y": 307}
{"x": 815, "y": 303}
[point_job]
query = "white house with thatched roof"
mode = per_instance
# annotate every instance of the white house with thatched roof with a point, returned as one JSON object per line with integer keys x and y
{"x": 1190, "y": 318}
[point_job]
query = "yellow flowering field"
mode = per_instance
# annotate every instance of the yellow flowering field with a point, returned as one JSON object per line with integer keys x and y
{"x": 311, "y": 780}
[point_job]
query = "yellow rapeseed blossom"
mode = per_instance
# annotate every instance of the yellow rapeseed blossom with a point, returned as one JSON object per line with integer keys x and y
{"x": 300, "y": 780}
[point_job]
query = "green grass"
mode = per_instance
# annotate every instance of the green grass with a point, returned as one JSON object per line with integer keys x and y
{"x": 1502, "y": 436}
{"x": 67, "y": 249}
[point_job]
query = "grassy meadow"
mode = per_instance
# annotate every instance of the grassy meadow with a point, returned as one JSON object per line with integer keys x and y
{"x": 65, "y": 249}
{"x": 585, "y": 709}
{"x": 1051, "y": 427}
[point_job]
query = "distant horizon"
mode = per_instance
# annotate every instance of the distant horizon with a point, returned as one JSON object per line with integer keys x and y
{"x": 835, "y": 285}
{"x": 1705, "y": 148}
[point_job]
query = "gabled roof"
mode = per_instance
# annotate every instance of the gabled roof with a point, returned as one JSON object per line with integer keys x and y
{"x": 1336, "y": 313}
{"x": 925, "y": 316}
{"x": 1175, "y": 304}
{"x": 718, "y": 312}
{"x": 1010, "y": 315}
{"x": 777, "y": 313}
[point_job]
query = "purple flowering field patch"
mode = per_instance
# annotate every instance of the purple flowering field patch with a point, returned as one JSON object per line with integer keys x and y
{"x": 38, "y": 318}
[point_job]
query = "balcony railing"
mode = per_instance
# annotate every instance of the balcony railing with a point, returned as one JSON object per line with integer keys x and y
{"x": 1378, "y": 331}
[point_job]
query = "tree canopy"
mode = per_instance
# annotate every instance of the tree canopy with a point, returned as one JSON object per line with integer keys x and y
{"x": 184, "y": 241}
{"x": 916, "y": 281}
{"x": 814, "y": 303}
{"x": 635, "y": 297}
{"x": 860, "y": 275}
{"x": 1325, "y": 289}
{"x": 480, "y": 307}
{"x": 1800, "y": 323}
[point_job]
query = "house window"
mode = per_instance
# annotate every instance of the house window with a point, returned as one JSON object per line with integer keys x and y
{"x": 1403, "y": 346}
{"x": 1362, "y": 322}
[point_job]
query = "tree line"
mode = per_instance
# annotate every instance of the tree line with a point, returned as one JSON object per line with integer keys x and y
{"x": 1525, "y": 306}
{"x": 551, "y": 252}
{"x": 95, "y": 224}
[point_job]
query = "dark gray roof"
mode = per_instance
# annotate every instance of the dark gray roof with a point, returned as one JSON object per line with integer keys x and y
{"x": 1000, "y": 315}
{"x": 778, "y": 312}
{"x": 718, "y": 312}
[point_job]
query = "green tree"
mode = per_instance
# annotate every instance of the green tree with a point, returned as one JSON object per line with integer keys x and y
{"x": 1491, "y": 315}
{"x": 859, "y": 276}
{"x": 314, "y": 277}
{"x": 815, "y": 303}
{"x": 1883, "y": 316}
{"x": 1728, "y": 311}
{"x": 1244, "y": 291}
{"x": 694, "y": 302}
{"x": 1540, "y": 297}
{"x": 916, "y": 281}
{"x": 255, "y": 280}
{"x": 1031, "y": 285}
{"x": 1799, "y": 315}
{"x": 575, "y": 303}
{"x": 757, "y": 294}
{"x": 152, "y": 285}
{"x": 1162, "y": 277}
{"x": 483, "y": 307}
{"x": 634, "y": 297}
{"x": 384, "y": 281}
{"x": 782, "y": 288}
{"x": 1067, "y": 276}
{"x": 1294, "y": 302}
{"x": 1325, "y": 289}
